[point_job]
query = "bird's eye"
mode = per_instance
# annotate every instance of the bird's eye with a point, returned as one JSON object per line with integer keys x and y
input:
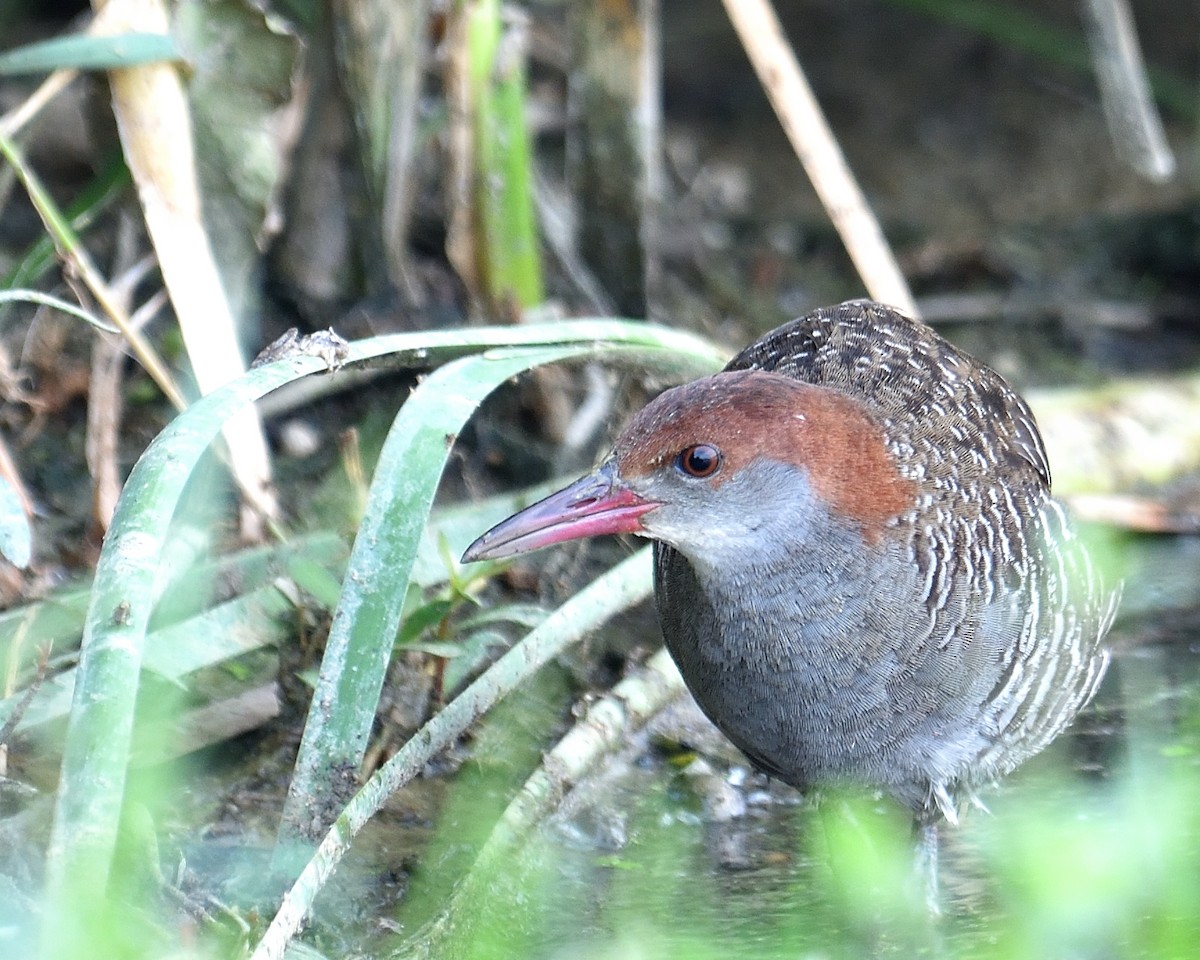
{"x": 702, "y": 460}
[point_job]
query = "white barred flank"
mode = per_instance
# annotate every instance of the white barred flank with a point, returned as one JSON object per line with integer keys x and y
{"x": 996, "y": 566}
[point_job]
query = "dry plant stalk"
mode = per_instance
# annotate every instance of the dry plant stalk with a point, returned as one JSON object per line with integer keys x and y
{"x": 1133, "y": 122}
{"x": 105, "y": 400}
{"x": 801, "y": 117}
{"x": 154, "y": 122}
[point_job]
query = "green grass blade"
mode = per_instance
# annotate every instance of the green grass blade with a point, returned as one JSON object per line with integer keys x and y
{"x": 96, "y": 748}
{"x": 98, "y": 738}
{"x": 511, "y": 254}
{"x": 57, "y": 621}
{"x": 102, "y": 191}
{"x": 250, "y": 621}
{"x": 63, "y": 306}
{"x": 366, "y": 622}
{"x": 83, "y": 52}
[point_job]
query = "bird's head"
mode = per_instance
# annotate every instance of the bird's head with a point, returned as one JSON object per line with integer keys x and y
{"x": 722, "y": 469}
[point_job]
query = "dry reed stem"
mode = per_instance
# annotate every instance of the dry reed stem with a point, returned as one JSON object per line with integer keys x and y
{"x": 154, "y": 121}
{"x": 801, "y": 117}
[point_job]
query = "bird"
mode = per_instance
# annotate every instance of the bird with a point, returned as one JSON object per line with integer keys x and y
{"x": 859, "y": 568}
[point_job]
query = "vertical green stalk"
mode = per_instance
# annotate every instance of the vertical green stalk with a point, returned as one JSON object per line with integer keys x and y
{"x": 510, "y": 261}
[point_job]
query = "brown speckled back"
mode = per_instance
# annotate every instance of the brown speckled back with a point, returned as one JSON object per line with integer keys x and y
{"x": 939, "y": 659}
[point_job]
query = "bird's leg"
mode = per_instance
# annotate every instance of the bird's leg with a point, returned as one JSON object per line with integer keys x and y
{"x": 925, "y": 860}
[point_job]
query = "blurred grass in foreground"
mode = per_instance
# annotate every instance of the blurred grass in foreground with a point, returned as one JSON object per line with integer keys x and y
{"x": 1069, "y": 865}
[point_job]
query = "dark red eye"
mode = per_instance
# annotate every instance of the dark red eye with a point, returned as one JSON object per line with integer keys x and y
{"x": 702, "y": 460}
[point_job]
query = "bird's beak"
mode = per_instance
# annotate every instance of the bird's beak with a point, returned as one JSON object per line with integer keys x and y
{"x": 595, "y": 504}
